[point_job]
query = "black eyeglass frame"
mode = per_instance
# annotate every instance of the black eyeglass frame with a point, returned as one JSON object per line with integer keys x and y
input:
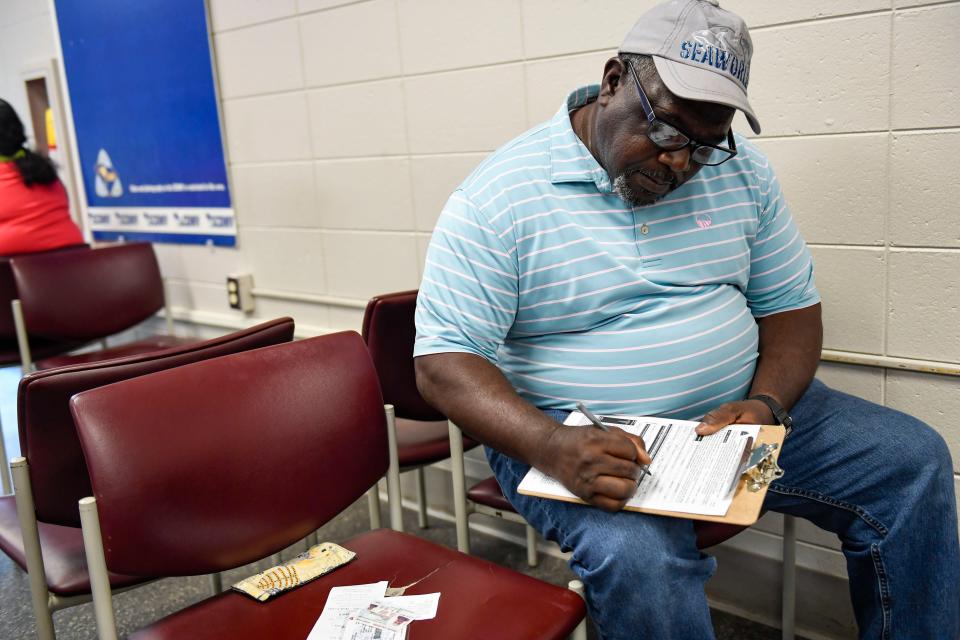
{"x": 652, "y": 120}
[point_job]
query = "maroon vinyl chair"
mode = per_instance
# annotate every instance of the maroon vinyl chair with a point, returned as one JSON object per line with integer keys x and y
{"x": 171, "y": 461}
{"x": 40, "y": 525}
{"x": 9, "y": 351}
{"x": 389, "y": 331}
{"x": 83, "y": 296}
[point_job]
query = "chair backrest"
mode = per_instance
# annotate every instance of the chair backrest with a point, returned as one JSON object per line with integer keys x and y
{"x": 215, "y": 464}
{"x": 48, "y": 438}
{"x": 8, "y": 290}
{"x": 84, "y": 295}
{"x": 389, "y": 331}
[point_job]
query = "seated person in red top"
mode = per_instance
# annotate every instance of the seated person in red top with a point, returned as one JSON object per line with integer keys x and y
{"x": 34, "y": 211}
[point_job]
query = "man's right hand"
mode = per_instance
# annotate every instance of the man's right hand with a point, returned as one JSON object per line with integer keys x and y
{"x": 600, "y": 467}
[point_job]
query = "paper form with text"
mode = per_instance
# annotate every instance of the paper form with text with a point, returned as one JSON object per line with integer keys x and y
{"x": 691, "y": 474}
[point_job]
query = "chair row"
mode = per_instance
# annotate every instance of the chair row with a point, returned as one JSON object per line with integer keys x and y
{"x": 421, "y": 432}
{"x": 191, "y": 455}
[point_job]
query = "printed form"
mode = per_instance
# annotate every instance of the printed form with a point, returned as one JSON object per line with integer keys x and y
{"x": 689, "y": 473}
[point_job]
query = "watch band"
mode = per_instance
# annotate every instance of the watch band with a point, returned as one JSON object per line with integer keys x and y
{"x": 779, "y": 413}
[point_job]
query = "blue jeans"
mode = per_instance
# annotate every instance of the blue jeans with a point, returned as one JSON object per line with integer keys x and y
{"x": 880, "y": 479}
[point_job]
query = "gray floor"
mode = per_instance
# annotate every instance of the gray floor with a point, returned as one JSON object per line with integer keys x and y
{"x": 143, "y": 605}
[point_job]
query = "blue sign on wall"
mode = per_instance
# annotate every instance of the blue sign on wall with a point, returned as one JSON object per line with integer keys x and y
{"x": 144, "y": 108}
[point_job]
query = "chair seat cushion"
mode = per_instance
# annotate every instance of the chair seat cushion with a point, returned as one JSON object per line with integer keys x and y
{"x": 420, "y": 442}
{"x": 487, "y": 492}
{"x": 478, "y": 599}
{"x": 64, "y": 561}
{"x": 711, "y": 533}
{"x": 147, "y": 345}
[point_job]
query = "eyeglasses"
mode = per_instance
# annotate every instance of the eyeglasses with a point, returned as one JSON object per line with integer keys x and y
{"x": 669, "y": 138}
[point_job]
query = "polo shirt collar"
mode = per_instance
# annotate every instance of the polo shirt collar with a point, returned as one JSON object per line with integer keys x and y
{"x": 570, "y": 160}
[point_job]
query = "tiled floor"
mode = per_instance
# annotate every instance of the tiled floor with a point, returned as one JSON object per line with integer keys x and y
{"x": 141, "y": 606}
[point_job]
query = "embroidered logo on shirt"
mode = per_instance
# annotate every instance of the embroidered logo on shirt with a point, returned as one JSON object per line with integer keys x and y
{"x": 704, "y": 220}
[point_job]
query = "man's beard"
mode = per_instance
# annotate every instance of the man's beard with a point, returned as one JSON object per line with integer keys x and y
{"x": 621, "y": 187}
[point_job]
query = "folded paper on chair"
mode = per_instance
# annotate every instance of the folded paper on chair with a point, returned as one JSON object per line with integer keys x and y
{"x": 313, "y": 563}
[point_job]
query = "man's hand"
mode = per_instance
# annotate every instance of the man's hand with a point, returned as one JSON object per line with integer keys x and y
{"x": 741, "y": 412}
{"x": 600, "y": 467}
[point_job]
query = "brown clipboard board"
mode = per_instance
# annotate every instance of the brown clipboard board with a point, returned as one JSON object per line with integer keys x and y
{"x": 744, "y": 509}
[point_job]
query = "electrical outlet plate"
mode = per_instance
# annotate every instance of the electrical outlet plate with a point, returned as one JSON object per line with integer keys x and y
{"x": 240, "y": 291}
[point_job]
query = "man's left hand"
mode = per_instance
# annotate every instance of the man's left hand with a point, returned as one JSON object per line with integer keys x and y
{"x": 741, "y": 412}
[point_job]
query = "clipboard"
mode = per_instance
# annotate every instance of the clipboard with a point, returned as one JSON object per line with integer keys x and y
{"x": 751, "y": 486}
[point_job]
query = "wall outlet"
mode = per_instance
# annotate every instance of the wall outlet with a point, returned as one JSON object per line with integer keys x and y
{"x": 240, "y": 291}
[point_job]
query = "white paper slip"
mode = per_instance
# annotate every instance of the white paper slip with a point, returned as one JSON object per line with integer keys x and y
{"x": 689, "y": 473}
{"x": 364, "y": 612}
{"x": 341, "y": 602}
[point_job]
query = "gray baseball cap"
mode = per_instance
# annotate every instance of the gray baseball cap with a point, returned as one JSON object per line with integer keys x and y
{"x": 702, "y": 52}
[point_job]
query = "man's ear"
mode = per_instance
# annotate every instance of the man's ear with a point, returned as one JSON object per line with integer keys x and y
{"x": 614, "y": 73}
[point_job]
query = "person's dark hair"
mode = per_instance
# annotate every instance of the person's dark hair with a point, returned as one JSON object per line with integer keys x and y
{"x": 33, "y": 167}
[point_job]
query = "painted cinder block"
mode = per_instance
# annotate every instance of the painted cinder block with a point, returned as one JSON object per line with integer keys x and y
{"x": 438, "y": 35}
{"x": 471, "y": 110}
{"x": 267, "y": 128}
{"x": 562, "y": 27}
{"x": 230, "y": 14}
{"x": 835, "y": 186}
{"x": 309, "y": 6}
{"x": 935, "y": 399}
{"x": 860, "y": 381}
{"x": 260, "y": 59}
{"x": 209, "y": 265}
{"x": 366, "y": 193}
{"x": 759, "y": 13}
{"x": 804, "y": 80}
{"x": 284, "y": 259}
{"x": 924, "y": 305}
{"x": 924, "y": 191}
{"x": 351, "y": 44}
{"x": 279, "y": 194}
{"x": 548, "y": 82}
{"x": 365, "y": 119}
{"x": 850, "y": 281}
{"x": 361, "y": 264}
{"x": 926, "y": 90}
{"x": 434, "y": 179}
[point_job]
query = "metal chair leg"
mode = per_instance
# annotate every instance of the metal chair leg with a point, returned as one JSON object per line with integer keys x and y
{"x": 216, "y": 583}
{"x": 789, "y": 596}
{"x": 373, "y": 503}
{"x": 97, "y": 566}
{"x": 459, "y": 487}
{"x": 393, "y": 472}
{"x": 533, "y": 558}
{"x": 421, "y": 499}
{"x": 580, "y": 633}
{"x": 5, "y": 470}
{"x": 23, "y": 342}
{"x": 39, "y": 596}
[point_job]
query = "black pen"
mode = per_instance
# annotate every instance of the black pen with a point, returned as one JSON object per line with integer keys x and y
{"x": 597, "y": 423}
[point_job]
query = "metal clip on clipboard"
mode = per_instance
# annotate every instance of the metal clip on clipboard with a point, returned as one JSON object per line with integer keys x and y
{"x": 761, "y": 468}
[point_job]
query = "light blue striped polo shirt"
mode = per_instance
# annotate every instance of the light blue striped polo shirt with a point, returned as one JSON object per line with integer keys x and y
{"x": 537, "y": 266}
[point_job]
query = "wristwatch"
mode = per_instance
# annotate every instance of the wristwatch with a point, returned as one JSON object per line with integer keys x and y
{"x": 779, "y": 413}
